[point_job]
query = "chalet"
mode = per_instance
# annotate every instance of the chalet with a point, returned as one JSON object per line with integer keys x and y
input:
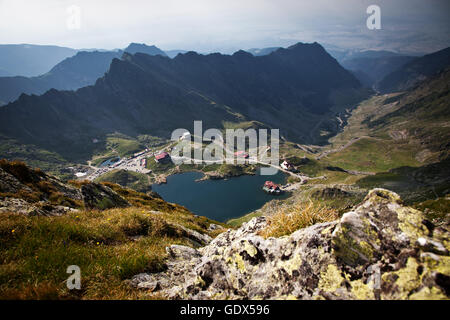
{"x": 287, "y": 166}
{"x": 271, "y": 188}
{"x": 163, "y": 157}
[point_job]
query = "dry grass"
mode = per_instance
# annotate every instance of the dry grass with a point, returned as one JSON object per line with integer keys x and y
{"x": 110, "y": 247}
{"x": 301, "y": 215}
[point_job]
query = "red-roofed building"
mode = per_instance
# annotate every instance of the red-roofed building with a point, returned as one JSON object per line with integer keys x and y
{"x": 271, "y": 187}
{"x": 163, "y": 157}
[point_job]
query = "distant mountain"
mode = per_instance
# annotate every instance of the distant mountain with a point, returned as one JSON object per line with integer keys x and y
{"x": 143, "y": 48}
{"x": 299, "y": 90}
{"x": 415, "y": 71}
{"x": 375, "y": 66}
{"x": 370, "y": 66}
{"x": 174, "y": 53}
{"x": 263, "y": 51}
{"x": 30, "y": 60}
{"x": 370, "y": 54}
{"x": 72, "y": 73}
{"x": 75, "y": 72}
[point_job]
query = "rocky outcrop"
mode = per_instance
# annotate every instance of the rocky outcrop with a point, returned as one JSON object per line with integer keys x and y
{"x": 380, "y": 250}
{"x": 10, "y": 184}
{"x": 196, "y": 237}
{"x": 98, "y": 196}
{"x": 41, "y": 208}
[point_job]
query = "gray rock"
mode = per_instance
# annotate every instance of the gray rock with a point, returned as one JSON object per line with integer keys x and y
{"x": 372, "y": 252}
{"x": 194, "y": 235}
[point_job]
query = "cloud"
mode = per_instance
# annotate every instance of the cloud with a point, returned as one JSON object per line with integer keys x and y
{"x": 207, "y": 25}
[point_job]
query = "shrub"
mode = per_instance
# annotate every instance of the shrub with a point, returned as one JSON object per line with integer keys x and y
{"x": 301, "y": 215}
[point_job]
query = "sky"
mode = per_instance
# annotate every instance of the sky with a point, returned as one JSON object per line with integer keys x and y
{"x": 420, "y": 26}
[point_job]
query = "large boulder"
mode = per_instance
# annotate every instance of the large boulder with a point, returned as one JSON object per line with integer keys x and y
{"x": 380, "y": 250}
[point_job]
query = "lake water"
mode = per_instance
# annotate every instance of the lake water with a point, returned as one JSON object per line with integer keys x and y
{"x": 220, "y": 200}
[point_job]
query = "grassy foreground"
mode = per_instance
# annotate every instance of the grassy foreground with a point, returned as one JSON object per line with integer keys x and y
{"x": 109, "y": 246}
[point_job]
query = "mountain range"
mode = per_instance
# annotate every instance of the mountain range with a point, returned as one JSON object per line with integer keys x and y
{"x": 415, "y": 71}
{"x": 80, "y": 70}
{"x": 388, "y": 71}
{"x": 300, "y": 90}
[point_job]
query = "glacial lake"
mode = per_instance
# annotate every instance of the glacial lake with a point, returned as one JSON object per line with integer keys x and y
{"x": 219, "y": 200}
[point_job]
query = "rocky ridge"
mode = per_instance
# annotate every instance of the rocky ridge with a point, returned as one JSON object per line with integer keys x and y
{"x": 380, "y": 250}
{"x": 32, "y": 192}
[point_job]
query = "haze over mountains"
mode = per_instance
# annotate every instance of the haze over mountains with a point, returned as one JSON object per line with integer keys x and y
{"x": 299, "y": 90}
{"x": 415, "y": 71}
{"x": 371, "y": 67}
{"x": 80, "y": 70}
{"x": 30, "y": 60}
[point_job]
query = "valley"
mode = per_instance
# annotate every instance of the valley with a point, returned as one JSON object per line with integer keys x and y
{"x": 90, "y": 177}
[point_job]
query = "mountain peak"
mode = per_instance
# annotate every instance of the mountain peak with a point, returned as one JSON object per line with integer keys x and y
{"x": 242, "y": 53}
{"x": 302, "y": 45}
{"x": 143, "y": 48}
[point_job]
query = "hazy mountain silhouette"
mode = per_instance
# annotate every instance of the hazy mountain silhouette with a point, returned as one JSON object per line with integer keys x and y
{"x": 81, "y": 70}
{"x": 30, "y": 60}
{"x": 143, "y": 48}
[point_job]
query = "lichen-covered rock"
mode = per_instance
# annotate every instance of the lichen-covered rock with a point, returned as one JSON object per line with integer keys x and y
{"x": 98, "y": 196}
{"x": 380, "y": 250}
{"x": 20, "y": 206}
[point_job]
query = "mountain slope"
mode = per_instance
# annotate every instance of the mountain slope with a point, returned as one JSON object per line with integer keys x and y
{"x": 401, "y": 140}
{"x": 30, "y": 60}
{"x": 415, "y": 71}
{"x": 298, "y": 90}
